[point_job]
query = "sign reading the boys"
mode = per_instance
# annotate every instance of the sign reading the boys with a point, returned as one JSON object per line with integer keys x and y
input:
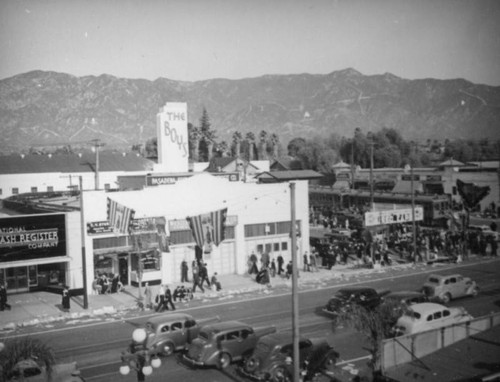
{"x": 173, "y": 146}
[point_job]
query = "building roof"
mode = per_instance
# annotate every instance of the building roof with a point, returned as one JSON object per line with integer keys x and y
{"x": 341, "y": 164}
{"x": 451, "y": 163}
{"x": 73, "y": 163}
{"x": 281, "y": 176}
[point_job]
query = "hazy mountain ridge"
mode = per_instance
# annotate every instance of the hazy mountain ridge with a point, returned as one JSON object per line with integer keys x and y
{"x": 45, "y": 107}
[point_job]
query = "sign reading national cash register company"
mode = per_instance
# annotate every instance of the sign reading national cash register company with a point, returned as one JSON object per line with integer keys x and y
{"x": 402, "y": 215}
{"x": 32, "y": 237}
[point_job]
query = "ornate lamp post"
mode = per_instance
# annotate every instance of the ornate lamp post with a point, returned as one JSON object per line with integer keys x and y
{"x": 139, "y": 357}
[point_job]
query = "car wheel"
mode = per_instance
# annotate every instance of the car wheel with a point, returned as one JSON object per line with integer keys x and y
{"x": 330, "y": 362}
{"x": 224, "y": 360}
{"x": 281, "y": 374}
{"x": 446, "y": 298}
{"x": 168, "y": 349}
{"x": 251, "y": 364}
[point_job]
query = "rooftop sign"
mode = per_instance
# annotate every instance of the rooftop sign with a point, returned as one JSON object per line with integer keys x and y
{"x": 402, "y": 215}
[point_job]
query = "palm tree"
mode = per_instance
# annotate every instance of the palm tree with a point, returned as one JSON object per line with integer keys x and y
{"x": 275, "y": 143}
{"x": 222, "y": 148}
{"x": 263, "y": 144}
{"x": 194, "y": 141}
{"x": 27, "y": 348}
{"x": 237, "y": 138}
{"x": 250, "y": 138}
{"x": 209, "y": 139}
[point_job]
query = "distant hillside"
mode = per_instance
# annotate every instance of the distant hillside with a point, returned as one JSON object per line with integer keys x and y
{"x": 44, "y": 107}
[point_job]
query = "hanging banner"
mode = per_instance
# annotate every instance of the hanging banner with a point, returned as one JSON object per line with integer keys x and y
{"x": 402, "y": 215}
{"x": 119, "y": 216}
{"x": 208, "y": 229}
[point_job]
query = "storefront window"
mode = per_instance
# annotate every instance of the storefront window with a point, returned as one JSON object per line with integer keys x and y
{"x": 151, "y": 261}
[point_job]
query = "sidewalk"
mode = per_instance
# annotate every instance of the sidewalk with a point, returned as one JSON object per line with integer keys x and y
{"x": 44, "y": 308}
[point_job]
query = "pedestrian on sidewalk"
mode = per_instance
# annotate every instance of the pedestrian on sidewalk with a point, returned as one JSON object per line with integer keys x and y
{"x": 184, "y": 272}
{"x": 289, "y": 270}
{"x": 160, "y": 298}
{"x": 253, "y": 264}
{"x": 312, "y": 262}
{"x": 3, "y": 298}
{"x": 196, "y": 278}
{"x": 148, "y": 298}
{"x": 204, "y": 274}
{"x": 216, "y": 283}
{"x": 280, "y": 265}
{"x": 65, "y": 299}
{"x": 273, "y": 268}
{"x": 306, "y": 262}
{"x": 168, "y": 298}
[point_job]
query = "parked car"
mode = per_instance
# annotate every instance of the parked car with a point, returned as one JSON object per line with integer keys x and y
{"x": 428, "y": 315}
{"x": 448, "y": 287}
{"x": 484, "y": 229}
{"x": 406, "y": 297}
{"x": 272, "y": 358}
{"x": 172, "y": 332}
{"x": 30, "y": 371}
{"x": 366, "y": 297}
{"x": 222, "y": 343}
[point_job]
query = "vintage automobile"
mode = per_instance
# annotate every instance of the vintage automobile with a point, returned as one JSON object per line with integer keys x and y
{"x": 272, "y": 359}
{"x": 448, "y": 287}
{"x": 366, "y": 297}
{"x": 30, "y": 371}
{"x": 222, "y": 343}
{"x": 172, "y": 332}
{"x": 406, "y": 297}
{"x": 428, "y": 315}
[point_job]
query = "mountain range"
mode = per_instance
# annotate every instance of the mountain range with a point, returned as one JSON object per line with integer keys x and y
{"x": 41, "y": 108}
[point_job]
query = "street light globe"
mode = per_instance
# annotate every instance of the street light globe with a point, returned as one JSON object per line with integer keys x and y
{"x": 124, "y": 369}
{"x": 156, "y": 362}
{"x": 147, "y": 370}
{"x": 139, "y": 335}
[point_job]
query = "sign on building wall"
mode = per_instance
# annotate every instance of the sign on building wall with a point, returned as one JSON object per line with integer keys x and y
{"x": 183, "y": 224}
{"x": 142, "y": 225}
{"x": 32, "y": 237}
{"x": 173, "y": 147}
{"x": 403, "y": 215}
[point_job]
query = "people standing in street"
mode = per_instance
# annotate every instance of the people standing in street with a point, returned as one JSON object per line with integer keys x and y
{"x": 148, "y": 302}
{"x": 168, "y": 298}
{"x": 280, "y": 265}
{"x": 184, "y": 272}
{"x": 65, "y": 299}
{"x": 3, "y": 298}
{"x": 196, "y": 277}
{"x": 161, "y": 298}
{"x": 204, "y": 274}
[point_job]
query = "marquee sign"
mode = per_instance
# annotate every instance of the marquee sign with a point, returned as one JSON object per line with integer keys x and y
{"x": 32, "y": 237}
{"x": 403, "y": 215}
{"x": 159, "y": 180}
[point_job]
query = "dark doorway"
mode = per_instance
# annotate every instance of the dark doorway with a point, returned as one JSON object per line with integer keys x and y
{"x": 123, "y": 269}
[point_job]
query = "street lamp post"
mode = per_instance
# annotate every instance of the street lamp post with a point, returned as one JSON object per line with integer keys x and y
{"x": 139, "y": 357}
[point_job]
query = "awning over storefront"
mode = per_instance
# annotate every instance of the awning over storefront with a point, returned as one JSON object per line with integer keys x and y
{"x": 27, "y": 263}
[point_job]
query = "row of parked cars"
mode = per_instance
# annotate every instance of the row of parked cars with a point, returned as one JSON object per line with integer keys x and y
{"x": 420, "y": 310}
{"x": 262, "y": 353}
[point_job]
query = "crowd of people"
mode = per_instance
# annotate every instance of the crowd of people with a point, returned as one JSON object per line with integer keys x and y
{"x": 107, "y": 283}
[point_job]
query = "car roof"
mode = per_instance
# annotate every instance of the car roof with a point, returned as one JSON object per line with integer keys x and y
{"x": 224, "y": 326}
{"x": 165, "y": 318}
{"x": 427, "y": 307}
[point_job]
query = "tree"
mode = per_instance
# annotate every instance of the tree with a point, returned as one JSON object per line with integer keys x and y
{"x": 250, "y": 138}
{"x": 27, "y": 348}
{"x": 222, "y": 148}
{"x": 237, "y": 138}
{"x": 194, "y": 141}
{"x": 263, "y": 144}
{"x": 275, "y": 146}
{"x": 208, "y": 136}
{"x": 375, "y": 324}
{"x": 152, "y": 148}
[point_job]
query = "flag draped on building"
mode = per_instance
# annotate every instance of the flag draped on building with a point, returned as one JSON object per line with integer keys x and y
{"x": 119, "y": 216}
{"x": 208, "y": 229}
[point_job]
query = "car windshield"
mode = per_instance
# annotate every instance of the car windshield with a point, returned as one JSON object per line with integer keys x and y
{"x": 433, "y": 280}
{"x": 413, "y": 314}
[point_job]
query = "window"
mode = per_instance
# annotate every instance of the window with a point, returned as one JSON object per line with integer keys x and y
{"x": 453, "y": 280}
{"x": 233, "y": 335}
{"x": 176, "y": 326}
{"x": 15, "y": 190}
{"x": 276, "y": 247}
{"x": 284, "y": 246}
{"x": 34, "y": 189}
{"x": 164, "y": 329}
{"x": 189, "y": 324}
{"x": 429, "y": 317}
{"x": 446, "y": 313}
{"x": 107, "y": 186}
{"x": 245, "y": 333}
{"x": 437, "y": 315}
{"x": 50, "y": 188}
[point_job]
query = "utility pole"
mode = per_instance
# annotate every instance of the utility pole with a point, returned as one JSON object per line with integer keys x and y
{"x": 295, "y": 294}
{"x": 84, "y": 258}
{"x": 413, "y": 225}
{"x": 371, "y": 191}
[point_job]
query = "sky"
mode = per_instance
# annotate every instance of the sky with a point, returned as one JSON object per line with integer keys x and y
{"x": 192, "y": 40}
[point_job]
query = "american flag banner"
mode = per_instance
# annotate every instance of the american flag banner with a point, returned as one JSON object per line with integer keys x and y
{"x": 208, "y": 229}
{"x": 119, "y": 216}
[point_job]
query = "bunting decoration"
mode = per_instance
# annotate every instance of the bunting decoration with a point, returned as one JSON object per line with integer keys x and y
{"x": 208, "y": 229}
{"x": 119, "y": 216}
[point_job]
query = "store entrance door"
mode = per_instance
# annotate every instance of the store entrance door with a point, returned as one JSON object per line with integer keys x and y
{"x": 123, "y": 270}
{"x": 17, "y": 279}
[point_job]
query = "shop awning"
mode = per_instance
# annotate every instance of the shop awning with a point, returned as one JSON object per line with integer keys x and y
{"x": 27, "y": 263}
